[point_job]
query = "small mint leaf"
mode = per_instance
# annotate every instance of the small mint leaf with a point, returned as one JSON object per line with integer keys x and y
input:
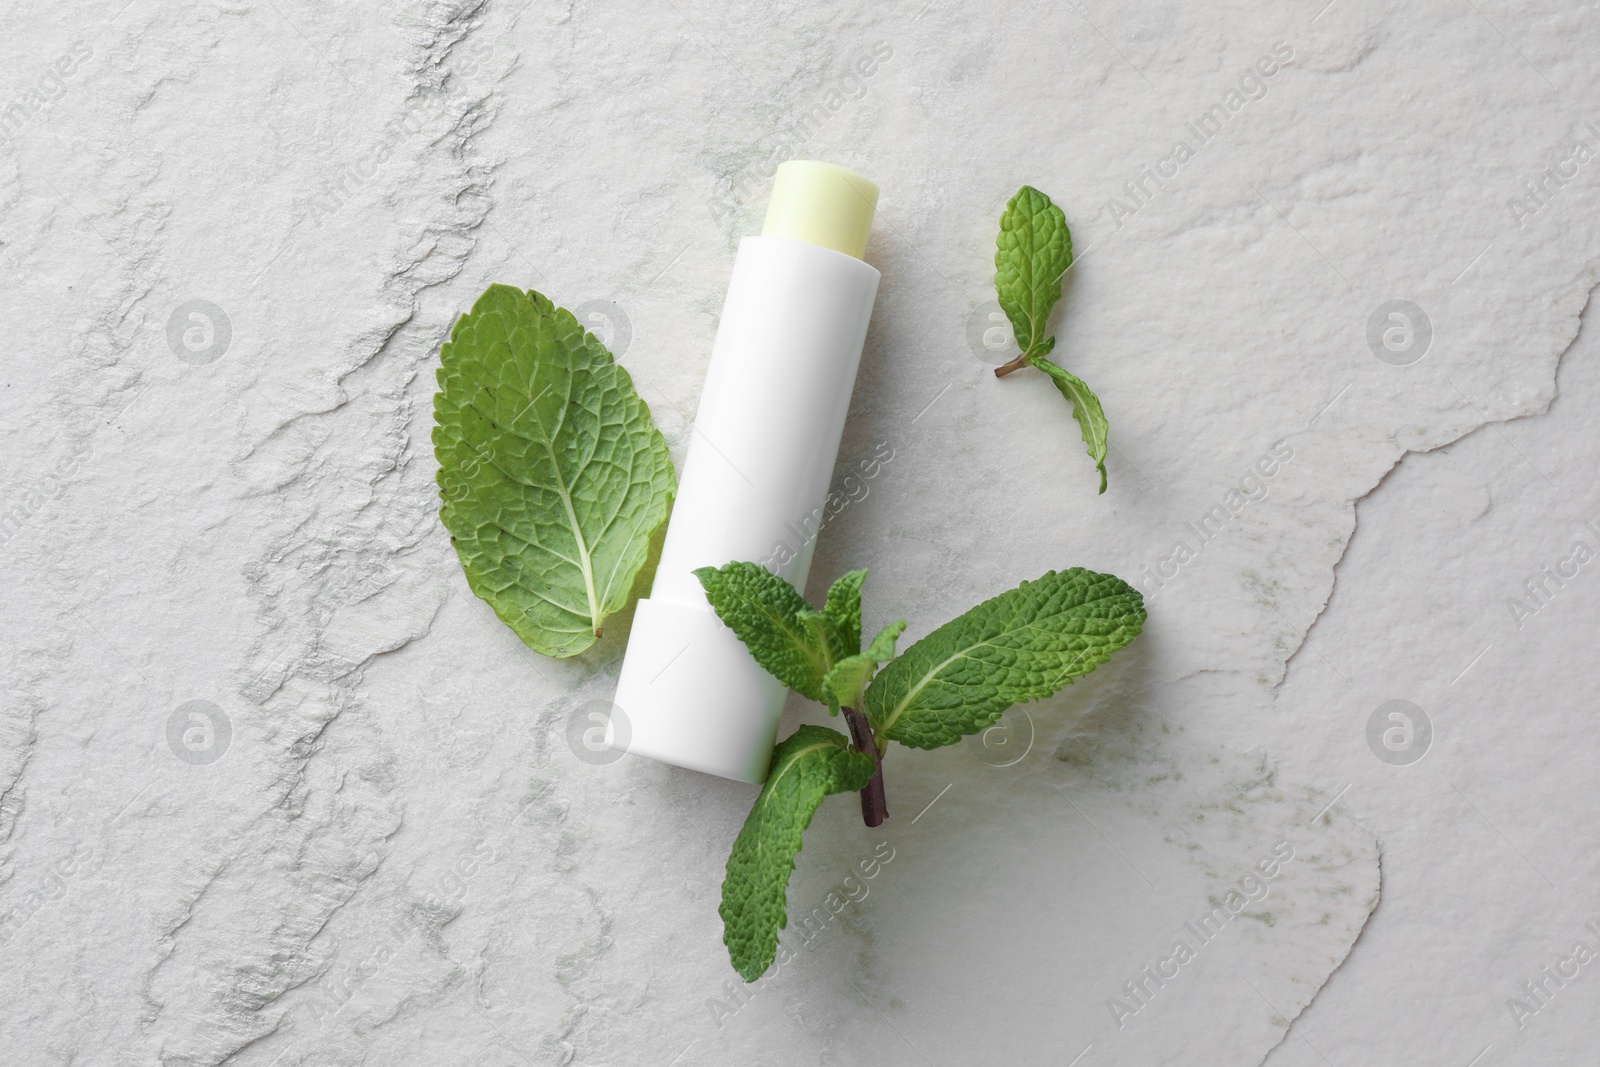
{"x": 807, "y": 766}
{"x": 816, "y": 626}
{"x": 1021, "y": 645}
{"x": 553, "y": 476}
{"x": 1032, "y": 251}
{"x": 817, "y": 634}
{"x": 843, "y": 685}
{"x": 771, "y": 618}
{"x": 842, "y": 609}
{"x": 1085, "y": 408}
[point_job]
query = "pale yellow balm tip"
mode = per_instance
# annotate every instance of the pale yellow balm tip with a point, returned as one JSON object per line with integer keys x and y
{"x": 821, "y": 204}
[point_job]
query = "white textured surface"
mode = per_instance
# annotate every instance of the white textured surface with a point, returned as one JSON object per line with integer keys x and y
{"x": 399, "y": 858}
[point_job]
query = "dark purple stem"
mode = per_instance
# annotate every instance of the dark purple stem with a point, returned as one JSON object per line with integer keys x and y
{"x": 874, "y": 809}
{"x": 1015, "y": 364}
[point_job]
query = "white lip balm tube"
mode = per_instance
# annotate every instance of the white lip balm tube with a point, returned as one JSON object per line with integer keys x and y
{"x": 756, "y": 477}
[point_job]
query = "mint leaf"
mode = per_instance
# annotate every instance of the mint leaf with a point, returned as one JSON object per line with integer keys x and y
{"x": 844, "y": 683}
{"x": 1085, "y": 408}
{"x": 816, "y": 627}
{"x": 842, "y": 612}
{"x": 793, "y": 642}
{"x": 1021, "y": 645}
{"x": 553, "y": 476}
{"x": 807, "y": 766}
{"x": 1033, "y": 251}
{"x": 773, "y": 620}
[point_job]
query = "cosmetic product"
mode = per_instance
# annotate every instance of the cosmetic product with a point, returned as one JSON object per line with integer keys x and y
{"x": 756, "y": 475}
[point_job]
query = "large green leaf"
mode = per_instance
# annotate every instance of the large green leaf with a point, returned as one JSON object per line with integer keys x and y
{"x": 552, "y": 474}
{"x": 1021, "y": 645}
{"x": 807, "y": 766}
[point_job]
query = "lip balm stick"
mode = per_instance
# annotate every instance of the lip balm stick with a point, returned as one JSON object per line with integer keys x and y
{"x": 757, "y": 473}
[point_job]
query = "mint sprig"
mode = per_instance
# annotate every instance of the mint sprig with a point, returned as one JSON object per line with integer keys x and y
{"x": 1033, "y": 251}
{"x": 1021, "y": 645}
{"x": 552, "y": 474}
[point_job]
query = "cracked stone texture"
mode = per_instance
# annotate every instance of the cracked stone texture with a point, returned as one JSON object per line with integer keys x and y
{"x": 373, "y": 840}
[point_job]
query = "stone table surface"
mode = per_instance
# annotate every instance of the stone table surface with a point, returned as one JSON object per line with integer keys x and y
{"x": 276, "y": 788}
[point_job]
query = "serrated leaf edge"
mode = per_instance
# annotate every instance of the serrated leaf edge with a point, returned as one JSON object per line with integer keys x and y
{"x": 888, "y": 722}
{"x": 1096, "y": 448}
